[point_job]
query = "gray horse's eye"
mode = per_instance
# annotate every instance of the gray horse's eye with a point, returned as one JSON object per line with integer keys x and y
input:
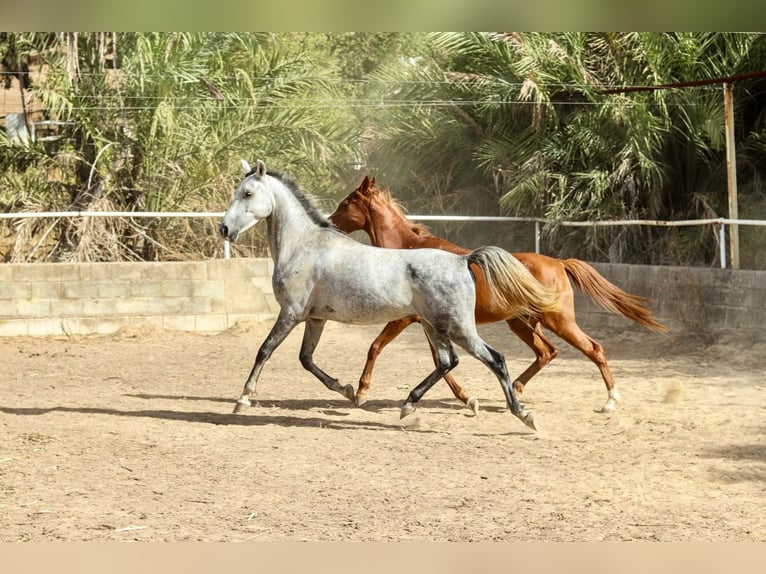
{"x": 247, "y": 194}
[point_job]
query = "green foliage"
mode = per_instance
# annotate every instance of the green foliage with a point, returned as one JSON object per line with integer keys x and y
{"x": 531, "y": 119}
{"x": 464, "y": 122}
{"x": 162, "y": 123}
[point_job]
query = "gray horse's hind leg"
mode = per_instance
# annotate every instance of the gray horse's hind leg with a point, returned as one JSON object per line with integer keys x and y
{"x": 445, "y": 359}
{"x": 284, "y": 324}
{"x": 311, "y": 335}
{"x": 495, "y": 361}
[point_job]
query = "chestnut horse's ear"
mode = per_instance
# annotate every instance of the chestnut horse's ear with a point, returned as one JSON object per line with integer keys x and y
{"x": 366, "y": 184}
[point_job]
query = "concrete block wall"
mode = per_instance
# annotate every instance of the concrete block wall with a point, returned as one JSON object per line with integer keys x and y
{"x": 85, "y": 298}
{"x": 690, "y": 299}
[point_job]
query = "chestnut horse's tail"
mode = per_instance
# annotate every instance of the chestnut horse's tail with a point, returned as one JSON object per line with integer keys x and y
{"x": 511, "y": 283}
{"x": 611, "y": 297}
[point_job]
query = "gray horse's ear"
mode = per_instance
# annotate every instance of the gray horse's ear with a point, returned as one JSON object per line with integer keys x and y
{"x": 245, "y": 165}
{"x": 261, "y": 167}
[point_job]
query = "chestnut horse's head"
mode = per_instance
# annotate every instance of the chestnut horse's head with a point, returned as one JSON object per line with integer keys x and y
{"x": 352, "y": 214}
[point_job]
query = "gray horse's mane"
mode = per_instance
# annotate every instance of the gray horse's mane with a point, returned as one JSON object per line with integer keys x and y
{"x": 306, "y": 201}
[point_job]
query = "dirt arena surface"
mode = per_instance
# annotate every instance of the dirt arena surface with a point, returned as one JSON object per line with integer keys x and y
{"x": 131, "y": 437}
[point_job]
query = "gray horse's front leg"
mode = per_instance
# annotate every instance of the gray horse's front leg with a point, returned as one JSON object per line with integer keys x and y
{"x": 311, "y": 335}
{"x": 284, "y": 324}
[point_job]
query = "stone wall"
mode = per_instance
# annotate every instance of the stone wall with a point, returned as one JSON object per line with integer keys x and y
{"x": 84, "y": 298}
{"x": 688, "y": 298}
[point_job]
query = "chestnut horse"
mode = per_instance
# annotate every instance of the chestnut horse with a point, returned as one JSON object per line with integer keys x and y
{"x": 374, "y": 210}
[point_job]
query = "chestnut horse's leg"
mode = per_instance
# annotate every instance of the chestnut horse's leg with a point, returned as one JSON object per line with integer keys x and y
{"x": 544, "y": 350}
{"x": 388, "y": 334}
{"x": 566, "y": 328}
{"x": 564, "y": 325}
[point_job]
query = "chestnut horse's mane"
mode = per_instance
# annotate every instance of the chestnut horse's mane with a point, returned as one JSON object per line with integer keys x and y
{"x": 385, "y": 196}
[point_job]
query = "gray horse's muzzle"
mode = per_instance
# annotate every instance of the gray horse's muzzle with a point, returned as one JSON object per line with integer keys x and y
{"x": 227, "y": 233}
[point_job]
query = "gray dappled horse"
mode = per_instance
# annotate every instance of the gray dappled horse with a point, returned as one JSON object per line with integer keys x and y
{"x": 321, "y": 274}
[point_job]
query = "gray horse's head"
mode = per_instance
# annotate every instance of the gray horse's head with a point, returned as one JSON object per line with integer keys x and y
{"x": 252, "y": 202}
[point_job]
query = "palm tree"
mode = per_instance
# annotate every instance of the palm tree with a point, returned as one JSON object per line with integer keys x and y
{"x": 161, "y": 123}
{"x": 528, "y": 116}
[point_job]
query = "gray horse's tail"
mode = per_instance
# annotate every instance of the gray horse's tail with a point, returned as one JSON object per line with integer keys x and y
{"x": 512, "y": 285}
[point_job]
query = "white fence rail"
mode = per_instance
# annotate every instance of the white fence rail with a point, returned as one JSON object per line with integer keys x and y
{"x": 719, "y": 222}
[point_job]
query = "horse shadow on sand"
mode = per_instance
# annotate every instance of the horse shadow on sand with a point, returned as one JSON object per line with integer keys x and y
{"x": 372, "y": 405}
{"x": 321, "y": 413}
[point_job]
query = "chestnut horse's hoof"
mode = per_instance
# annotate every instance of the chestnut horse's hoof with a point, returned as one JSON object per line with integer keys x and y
{"x": 611, "y": 404}
{"x": 609, "y": 407}
{"x": 359, "y": 400}
{"x": 473, "y": 404}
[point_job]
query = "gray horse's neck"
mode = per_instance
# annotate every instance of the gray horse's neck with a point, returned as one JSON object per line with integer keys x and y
{"x": 290, "y": 226}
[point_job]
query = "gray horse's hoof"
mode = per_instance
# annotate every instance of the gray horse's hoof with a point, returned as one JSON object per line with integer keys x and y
{"x": 349, "y": 393}
{"x": 240, "y": 406}
{"x": 528, "y": 418}
{"x": 407, "y": 409}
{"x": 473, "y": 404}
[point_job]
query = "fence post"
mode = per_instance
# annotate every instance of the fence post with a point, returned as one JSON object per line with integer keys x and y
{"x": 537, "y": 237}
{"x": 722, "y": 243}
{"x": 731, "y": 172}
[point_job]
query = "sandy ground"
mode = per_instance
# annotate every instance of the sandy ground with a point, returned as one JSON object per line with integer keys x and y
{"x": 132, "y": 437}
